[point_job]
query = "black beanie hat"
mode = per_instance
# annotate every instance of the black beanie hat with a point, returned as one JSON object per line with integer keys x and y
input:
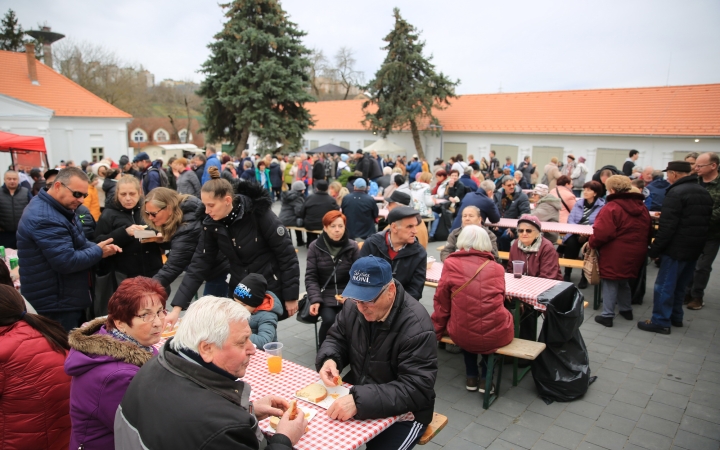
{"x": 251, "y": 290}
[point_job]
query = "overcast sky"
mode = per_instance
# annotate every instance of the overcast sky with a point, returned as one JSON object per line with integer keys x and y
{"x": 515, "y": 46}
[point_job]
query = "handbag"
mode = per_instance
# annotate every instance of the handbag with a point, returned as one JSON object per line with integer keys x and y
{"x": 303, "y": 314}
{"x": 591, "y": 265}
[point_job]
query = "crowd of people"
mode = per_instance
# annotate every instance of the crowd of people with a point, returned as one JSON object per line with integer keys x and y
{"x": 96, "y": 273}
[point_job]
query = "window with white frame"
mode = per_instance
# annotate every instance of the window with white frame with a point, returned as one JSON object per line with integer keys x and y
{"x": 161, "y": 136}
{"x": 139, "y": 136}
{"x": 183, "y": 135}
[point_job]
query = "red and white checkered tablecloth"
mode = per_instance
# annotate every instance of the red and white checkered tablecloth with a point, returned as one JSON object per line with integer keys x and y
{"x": 9, "y": 253}
{"x": 564, "y": 228}
{"x": 526, "y": 288}
{"x": 323, "y": 432}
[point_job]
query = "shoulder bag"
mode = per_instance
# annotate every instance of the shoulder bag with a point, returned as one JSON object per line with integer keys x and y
{"x": 591, "y": 265}
{"x": 303, "y": 314}
{"x": 457, "y": 291}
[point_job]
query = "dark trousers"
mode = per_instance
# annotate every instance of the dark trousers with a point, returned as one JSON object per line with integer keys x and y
{"x": 503, "y": 239}
{"x": 703, "y": 267}
{"x": 310, "y": 238}
{"x": 276, "y": 193}
{"x": 670, "y": 286}
{"x": 299, "y": 238}
{"x": 327, "y": 314}
{"x": 68, "y": 319}
{"x": 8, "y": 239}
{"x": 572, "y": 248}
{"x": 398, "y": 436}
{"x": 471, "y": 365}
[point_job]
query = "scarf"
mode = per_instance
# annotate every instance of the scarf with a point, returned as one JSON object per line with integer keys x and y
{"x": 120, "y": 336}
{"x": 237, "y": 211}
{"x": 334, "y": 247}
{"x": 506, "y": 200}
{"x": 587, "y": 210}
{"x": 532, "y": 248}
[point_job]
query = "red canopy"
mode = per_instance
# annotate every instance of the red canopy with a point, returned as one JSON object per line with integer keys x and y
{"x": 9, "y": 141}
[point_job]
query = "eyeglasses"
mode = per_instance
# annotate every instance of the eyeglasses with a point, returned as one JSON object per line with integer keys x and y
{"x": 703, "y": 165}
{"x": 149, "y": 317}
{"x": 154, "y": 214}
{"x": 524, "y": 230}
{"x": 373, "y": 301}
{"x": 75, "y": 194}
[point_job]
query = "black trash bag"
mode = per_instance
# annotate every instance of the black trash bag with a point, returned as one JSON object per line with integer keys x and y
{"x": 562, "y": 371}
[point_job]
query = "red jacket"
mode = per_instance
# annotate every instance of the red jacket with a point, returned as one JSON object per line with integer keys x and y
{"x": 34, "y": 391}
{"x": 542, "y": 264}
{"x": 621, "y": 234}
{"x": 475, "y": 318}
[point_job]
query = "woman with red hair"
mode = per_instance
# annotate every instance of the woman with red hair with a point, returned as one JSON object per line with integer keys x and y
{"x": 106, "y": 354}
{"x": 329, "y": 260}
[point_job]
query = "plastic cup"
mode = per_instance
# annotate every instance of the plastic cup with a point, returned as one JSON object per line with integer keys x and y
{"x": 518, "y": 268}
{"x": 274, "y": 352}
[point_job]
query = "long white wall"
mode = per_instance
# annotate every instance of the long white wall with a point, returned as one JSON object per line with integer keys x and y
{"x": 654, "y": 151}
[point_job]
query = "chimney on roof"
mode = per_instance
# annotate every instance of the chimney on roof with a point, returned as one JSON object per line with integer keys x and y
{"x": 32, "y": 66}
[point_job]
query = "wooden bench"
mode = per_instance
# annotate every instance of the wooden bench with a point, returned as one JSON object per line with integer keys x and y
{"x": 573, "y": 264}
{"x": 305, "y": 230}
{"x": 518, "y": 348}
{"x": 438, "y": 423}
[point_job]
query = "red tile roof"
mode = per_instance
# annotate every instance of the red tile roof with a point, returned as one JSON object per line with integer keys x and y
{"x": 65, "y": 97}
{"x": 667, "y": 111}
{"x": 151, "y": 124}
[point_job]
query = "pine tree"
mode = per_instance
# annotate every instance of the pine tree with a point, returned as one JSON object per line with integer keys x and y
{"x": 406, "y": 88}
{"x": 257, "y": 77}
{"x": 11, "y": 33}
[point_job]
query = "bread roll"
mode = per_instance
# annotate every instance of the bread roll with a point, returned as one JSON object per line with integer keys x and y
{"x": 315, "y": 393}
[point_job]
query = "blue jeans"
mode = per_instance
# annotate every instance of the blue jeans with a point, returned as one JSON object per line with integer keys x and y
{"x": 217, "y": 286}
{"x": 471, "y": 365}
{"x": 435, "y": 223}
{"x": 670, "y": 286}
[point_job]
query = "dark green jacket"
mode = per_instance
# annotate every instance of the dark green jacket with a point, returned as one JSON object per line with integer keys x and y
{"x": 713, "y": 188}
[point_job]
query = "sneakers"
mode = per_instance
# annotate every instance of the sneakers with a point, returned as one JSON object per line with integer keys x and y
{"x": 687, "y": 299}
{"x": 471, "y": 384}
{"x": 604, "y": 321}
{"x": 481, "y": 387}
{"x": 627, "y": 314}
{"x": 647, "y": 325}
{"x": 695, "y": 304}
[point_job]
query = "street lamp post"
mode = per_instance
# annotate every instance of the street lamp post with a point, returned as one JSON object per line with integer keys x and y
{"x": 441, "y": 137}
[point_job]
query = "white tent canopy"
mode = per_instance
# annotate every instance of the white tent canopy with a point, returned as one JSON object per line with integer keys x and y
{"x": 385, "y": 146}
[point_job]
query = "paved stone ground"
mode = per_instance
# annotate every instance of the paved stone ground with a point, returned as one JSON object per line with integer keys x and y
{"x": 653, "y": 391}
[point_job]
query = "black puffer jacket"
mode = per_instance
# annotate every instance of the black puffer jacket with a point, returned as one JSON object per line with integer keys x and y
{"x": 183, "y": 243}
{"x": 215, "y": 404}
{"x": 409, "y": 266}
{"x": 684, "y": 221}
{"x": 320, "y": 267}
{"x": 315, "y": 208}
{"x": 292, "y": 204}
{"x": 396, "y": 372}
{"x": 136, "y": 259}
{"x": 12, "y": 207}
{"x": 255, "y": 242}
{"x": 109, "y": 186}
{"x": 276, "y": 175}
{"x": 369, "y": 167}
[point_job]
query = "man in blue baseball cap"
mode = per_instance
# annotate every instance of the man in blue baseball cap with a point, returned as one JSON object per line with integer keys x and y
{"x": 387, "y": 339}
{"x": 150, "y": 175}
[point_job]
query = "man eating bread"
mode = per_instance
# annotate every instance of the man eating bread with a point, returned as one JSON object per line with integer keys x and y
{"x": 386, "y": 337}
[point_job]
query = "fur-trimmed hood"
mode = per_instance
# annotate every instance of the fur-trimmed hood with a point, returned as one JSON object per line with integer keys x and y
{"x": 260, "y": 200}
{"x": 94, "y": 346}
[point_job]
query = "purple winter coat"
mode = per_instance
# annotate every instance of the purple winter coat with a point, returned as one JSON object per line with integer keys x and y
{"x": 102, "y": 369}
{"x": 577, "y": 213}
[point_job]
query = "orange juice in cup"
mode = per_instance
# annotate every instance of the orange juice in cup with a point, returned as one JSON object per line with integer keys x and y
{"x": 274, "y": 352}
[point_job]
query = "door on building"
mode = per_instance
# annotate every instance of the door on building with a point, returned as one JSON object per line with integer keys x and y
{"x": 503, "y": 151}
{"x": 453, "y": 149}
{"x": 611, "y": 157}
{"x": 541, "y": 155}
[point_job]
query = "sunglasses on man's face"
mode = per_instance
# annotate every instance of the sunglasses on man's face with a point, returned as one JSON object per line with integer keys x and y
{"x": 75, "y": 194}
{"x": 524, "y": 230}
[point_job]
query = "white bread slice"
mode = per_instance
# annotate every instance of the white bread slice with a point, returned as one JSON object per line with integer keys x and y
{"x": 314, "y": 393}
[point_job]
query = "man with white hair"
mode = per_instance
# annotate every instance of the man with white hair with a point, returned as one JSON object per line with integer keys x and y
{"x": 384, "y": 181}
{"x": 196, "y": 380}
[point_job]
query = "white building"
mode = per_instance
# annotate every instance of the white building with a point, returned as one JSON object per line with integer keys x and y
{"x": 76, "y": 124}
{"x": 663, "y": 123}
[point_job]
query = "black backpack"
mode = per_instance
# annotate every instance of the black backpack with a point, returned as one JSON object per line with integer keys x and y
{"x": 164, "y": 181}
